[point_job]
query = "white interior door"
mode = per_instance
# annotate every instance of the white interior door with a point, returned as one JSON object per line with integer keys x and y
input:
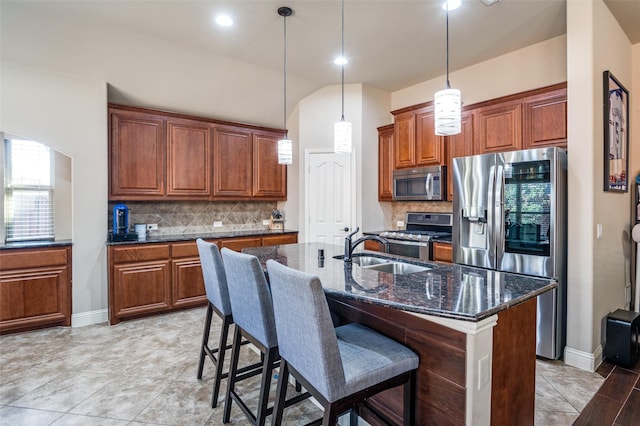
{"x": 329, "y": 197}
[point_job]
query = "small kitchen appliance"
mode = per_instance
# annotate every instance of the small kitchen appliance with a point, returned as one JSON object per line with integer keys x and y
{"x": 120, "y": 230}
{"x": 420, "y": 231}
{"x": 420, "y": 184}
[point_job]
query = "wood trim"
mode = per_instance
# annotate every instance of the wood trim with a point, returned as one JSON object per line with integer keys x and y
{"x": 214, "y": 121}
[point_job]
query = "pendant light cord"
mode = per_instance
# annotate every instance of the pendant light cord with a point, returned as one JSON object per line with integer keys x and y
{"x": 342, "y": 118}
{"x": 447, "y": 38}
{"x": 284, "y": 113}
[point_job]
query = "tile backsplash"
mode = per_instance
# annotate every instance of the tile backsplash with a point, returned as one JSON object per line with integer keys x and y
{"x": 193, "y": 217}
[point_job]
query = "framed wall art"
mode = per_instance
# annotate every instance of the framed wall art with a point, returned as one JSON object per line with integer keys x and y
{"x": 616, "y": 134}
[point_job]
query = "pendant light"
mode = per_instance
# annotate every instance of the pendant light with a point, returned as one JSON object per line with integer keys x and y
{"x": 285, "y": 145}
{"x": 342, "y": 128}
{"x": 447, "y": 103}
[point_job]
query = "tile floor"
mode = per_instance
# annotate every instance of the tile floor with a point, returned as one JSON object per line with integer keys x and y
{"x": 144, "y": 372}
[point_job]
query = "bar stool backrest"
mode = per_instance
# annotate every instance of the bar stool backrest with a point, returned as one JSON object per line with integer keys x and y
{"x": 250, "y": 296}
{"x": 215, "y": 280}
{"x": 306, "y": 336}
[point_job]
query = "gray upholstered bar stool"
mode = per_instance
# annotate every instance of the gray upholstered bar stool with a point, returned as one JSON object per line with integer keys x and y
{"x": 340, "y": 367}
{"x": 215, "y": 284}
{"x": 253, "y": 315}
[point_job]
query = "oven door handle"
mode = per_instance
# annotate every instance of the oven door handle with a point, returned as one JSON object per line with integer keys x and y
{"x": 408, "y": 243}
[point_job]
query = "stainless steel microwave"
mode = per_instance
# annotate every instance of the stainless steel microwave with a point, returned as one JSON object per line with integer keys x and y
{"x": 420, "y": 184}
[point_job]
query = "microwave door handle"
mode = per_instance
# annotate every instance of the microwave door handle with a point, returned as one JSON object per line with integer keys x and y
{"x": 428, "y": 185}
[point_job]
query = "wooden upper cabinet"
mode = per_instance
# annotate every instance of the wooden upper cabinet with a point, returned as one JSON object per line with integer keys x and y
{"x": 269, "y": 177}
{"x": 545, "y": 119}
{"x": 459, "y": 145}
{"x": 232, "y": 162}
{"x": 188, "y": 158}
{"x": 498, "y": 128}
{"x": 429, "y": 147}
{"x": 385, "y": 163}
{"x": 404, "y": 137}
{"x": 136, "y": 155}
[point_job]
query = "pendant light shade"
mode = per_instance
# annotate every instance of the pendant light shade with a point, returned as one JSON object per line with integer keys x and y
{"x": 342, "y": 128}
{"x": 447, "y": 104}
{"x": 285, "y": 145}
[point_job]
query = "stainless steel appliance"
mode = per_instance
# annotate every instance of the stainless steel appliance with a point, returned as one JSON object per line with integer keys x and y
{"x": 510, "y": 214}
{"x": 421, "y": 230}
{"x": 420, "y": 184}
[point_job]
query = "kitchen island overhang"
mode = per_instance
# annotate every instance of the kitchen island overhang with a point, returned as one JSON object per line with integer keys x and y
{"x": 474, "y": 329}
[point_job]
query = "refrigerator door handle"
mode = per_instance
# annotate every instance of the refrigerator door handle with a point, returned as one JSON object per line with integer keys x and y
{"x": 499, "y": 219}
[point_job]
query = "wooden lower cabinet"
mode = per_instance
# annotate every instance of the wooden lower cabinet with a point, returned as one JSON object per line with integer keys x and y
{"x": 35, "y": 288}
{"x": 152, "y": 278}
{"x": 442, "y": 252}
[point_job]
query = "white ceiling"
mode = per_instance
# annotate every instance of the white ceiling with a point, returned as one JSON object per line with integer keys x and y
{"x": 391, "y": 44}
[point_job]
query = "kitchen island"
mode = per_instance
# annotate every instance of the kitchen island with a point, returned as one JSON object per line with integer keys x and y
{"x": 473, "y": 329}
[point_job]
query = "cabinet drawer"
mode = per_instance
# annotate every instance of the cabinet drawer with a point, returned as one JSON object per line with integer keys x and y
{"x": 276, "y": 240}
{"x": 35, "y": 258}
{"x": 140, "y": 253}
{"x": 189, "y": 249}
{"x": 238, "y": 244}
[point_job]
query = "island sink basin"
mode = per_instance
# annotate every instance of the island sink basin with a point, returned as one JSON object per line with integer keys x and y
{"x": 387, "y": 265}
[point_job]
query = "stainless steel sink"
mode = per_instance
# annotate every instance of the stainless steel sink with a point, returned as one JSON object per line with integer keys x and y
{"x": 398, "y": 268}
{"x": 369, "y": 260}
{"x": 388, "y": 265}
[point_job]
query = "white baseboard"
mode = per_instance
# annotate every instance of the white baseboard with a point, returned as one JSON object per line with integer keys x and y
{"x": 583, "y": 360}
{"x": 89, "y": 318}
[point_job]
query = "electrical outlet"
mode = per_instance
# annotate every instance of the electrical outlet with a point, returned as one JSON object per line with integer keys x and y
{"x": 217, "y": 224}
{"x": 266, "y": 222}
{"x": 599, "y": 230}
{"x": 400, "y": 224}
{"x": 152, "y": 226}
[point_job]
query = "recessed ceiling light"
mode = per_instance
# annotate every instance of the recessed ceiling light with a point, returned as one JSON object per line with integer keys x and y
{"x": 224, "y": 20}
{"x": 451, "y": 4}
{"x": 340, "y": 60}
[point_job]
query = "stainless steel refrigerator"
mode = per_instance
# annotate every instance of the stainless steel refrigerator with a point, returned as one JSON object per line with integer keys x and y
{"x": 510, "y": 214}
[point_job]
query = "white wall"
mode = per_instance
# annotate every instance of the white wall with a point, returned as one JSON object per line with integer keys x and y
{"x": 538, "y": 65}
{"x": 70, "y": 116}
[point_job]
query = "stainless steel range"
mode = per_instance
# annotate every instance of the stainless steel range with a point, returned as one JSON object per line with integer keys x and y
{"x": 420, "y": 230}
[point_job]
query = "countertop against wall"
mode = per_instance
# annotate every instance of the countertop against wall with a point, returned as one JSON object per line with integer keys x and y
{"x": 34, "y": 244}
{"x": 206, "y": 236}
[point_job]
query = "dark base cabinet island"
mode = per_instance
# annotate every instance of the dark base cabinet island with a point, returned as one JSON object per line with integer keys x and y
{"x": 474, "y": 329}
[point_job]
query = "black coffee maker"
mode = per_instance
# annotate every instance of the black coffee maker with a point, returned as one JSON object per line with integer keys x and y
{"x": 120, "y": 230}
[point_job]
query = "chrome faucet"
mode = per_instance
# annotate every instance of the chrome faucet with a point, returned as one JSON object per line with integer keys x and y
{"x": 349, "y": 246}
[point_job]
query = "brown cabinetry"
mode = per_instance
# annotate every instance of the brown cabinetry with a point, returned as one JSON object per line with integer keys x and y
{"x": 498, "y": 128}
{"x": 157, "y": 155}
{"x": 188, "y": 158}
{"x": 545, "y": 120}
{"x": 136, "y": 155}
{"x": 35, "y": 288}
{"x": 385, "y": 163}
{"x": 442, "y": 252}
{"x": 414, "y": 140}
{"x": 151, "y": 278}
{"x": 459, "y": 145}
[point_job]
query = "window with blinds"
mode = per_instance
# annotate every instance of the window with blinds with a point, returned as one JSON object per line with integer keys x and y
{"x": 28, "y": 203}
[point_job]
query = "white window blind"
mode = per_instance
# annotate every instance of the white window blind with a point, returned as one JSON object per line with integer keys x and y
{"x": 29, "y": 188}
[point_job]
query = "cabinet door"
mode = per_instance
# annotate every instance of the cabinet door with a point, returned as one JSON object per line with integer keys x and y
{"x": 238, "y": 244}
{"x": 404, "y": 139}
{"x": 498, "y": 128}
{"x": 136, "y": 155}
{"x": 141, "y": 288}
{"x": 188, "y": 159}
{"x": 187, "y": 283}
{"x": 545, "y": 120}
{"x": 269, "y": 177}
{"x": 429, "y": 148}
{"x": 232, "y": 163}
{"x": 442, "y": 252}
{"x": 276, "y": 240}
{"x": 459, "y": 145}
{"x": 385, "y": 163}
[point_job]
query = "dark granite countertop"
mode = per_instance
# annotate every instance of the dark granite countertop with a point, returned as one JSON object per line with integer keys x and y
{"x": 207, "y": 236}
{"x": 451, "y": 291}
{"x": 34, "y": 244}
